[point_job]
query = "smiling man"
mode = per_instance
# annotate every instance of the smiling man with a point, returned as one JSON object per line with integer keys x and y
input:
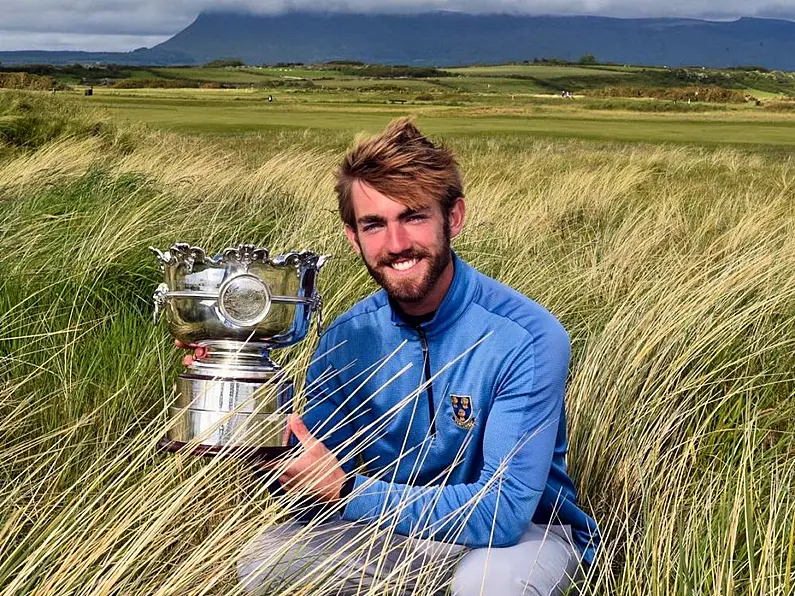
{"x": 435, "y": 428}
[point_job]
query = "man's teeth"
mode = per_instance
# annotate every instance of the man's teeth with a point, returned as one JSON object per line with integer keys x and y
{"x": 403, "y": 265}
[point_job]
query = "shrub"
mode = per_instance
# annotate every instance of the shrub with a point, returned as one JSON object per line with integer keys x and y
{"x": 782, "y": 105}
{"x": 708, "y": 94}
{"x": 224, "y": 64}
{"x": 23, "y": 80}
{"x": 155, "y": 84}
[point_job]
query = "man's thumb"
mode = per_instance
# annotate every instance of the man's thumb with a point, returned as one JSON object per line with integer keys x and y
{"x": 300, "y": 430}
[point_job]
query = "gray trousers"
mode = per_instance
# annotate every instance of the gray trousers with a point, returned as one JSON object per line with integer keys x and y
{"x": 348, "y": 558}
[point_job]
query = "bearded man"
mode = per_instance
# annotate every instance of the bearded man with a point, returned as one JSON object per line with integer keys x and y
{"x": 435, "y": 427}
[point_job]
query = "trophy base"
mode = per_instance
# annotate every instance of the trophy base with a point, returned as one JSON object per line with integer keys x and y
{"x": 233, "y": 451}
{"x": 233, "y": 401}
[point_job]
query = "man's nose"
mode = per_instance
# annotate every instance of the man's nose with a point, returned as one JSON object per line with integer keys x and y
{"x": 397, "y": 240}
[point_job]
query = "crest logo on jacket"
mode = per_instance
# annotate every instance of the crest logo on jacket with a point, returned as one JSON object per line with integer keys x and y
{"x": 462, "y": 411}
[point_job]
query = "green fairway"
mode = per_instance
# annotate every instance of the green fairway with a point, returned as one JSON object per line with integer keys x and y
{"x": 222, "y": 112}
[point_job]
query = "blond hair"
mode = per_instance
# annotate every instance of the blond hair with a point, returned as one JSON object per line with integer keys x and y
{"x": 402, "y": 164}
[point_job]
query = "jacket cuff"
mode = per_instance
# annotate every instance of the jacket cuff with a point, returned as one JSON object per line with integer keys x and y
{"x": 364, "y": 505}
{"x": 347, "y": 488}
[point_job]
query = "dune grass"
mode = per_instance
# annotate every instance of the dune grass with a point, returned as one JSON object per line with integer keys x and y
{"x": 671, "y": 267}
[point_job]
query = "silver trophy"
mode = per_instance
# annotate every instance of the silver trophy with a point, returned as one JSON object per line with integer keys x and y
{"x": 238, "y": 305}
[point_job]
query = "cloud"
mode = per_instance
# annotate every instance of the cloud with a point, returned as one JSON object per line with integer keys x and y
{"x": 118, "y": 25}
{"x": 24, "y": 40}
{"x": 617, "y": 8}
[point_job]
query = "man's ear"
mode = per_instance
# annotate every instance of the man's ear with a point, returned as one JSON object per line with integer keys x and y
{"x": 353, "y": 239}
{"x": 457, "y": 213}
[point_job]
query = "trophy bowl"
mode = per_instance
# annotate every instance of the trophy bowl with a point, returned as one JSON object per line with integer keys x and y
{"x": 238, "y": 305}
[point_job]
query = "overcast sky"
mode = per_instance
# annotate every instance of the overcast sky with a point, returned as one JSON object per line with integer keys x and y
{"x": 122, "y": 25}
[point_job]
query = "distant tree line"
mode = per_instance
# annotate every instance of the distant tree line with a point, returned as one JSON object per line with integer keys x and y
{"x": 386, "y": 71}
{"x": 226, "y": 63}
{"x": 345, "y": 63}
{"x": 585, "y": 59}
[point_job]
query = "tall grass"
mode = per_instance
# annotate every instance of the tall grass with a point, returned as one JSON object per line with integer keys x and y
{"x": 672, "y": 269}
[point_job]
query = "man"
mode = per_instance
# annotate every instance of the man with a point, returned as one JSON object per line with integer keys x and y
{"x": 435, "y": 428}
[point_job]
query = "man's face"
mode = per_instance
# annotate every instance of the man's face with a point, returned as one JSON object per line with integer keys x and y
{"x": 406, "y": 251}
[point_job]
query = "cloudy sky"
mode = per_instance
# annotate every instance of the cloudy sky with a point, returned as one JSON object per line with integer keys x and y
{"x": 122, "y": 25}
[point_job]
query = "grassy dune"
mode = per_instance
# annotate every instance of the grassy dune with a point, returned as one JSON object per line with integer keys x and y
{"x": 671, "y": 267}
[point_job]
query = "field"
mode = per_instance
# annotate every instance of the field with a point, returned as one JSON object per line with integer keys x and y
{"x": 518, "y": 99}
{"x": 662, "y": 236}
{"x": 230, "y": 112}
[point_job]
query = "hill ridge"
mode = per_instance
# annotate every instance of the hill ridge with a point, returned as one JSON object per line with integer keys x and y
{"x": 444, "y": 38}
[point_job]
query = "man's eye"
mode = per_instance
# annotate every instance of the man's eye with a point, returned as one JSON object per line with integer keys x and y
{"x": 417, "y": 217}
{"x": 370, "y": 227}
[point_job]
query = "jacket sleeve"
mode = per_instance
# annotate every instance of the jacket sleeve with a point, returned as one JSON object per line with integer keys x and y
{"x": 326, "y": 413}
{"x": 518, "y": 447}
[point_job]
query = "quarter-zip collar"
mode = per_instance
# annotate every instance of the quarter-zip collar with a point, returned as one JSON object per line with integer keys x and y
{"x": 459, "y": 296}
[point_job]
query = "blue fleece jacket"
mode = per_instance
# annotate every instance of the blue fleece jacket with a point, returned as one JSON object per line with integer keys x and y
{"x": 460, "y": 421}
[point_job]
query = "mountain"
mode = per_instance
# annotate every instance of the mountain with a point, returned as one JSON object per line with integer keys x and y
{"x": 142, "y": 56}
{"x": 447, "y": 38}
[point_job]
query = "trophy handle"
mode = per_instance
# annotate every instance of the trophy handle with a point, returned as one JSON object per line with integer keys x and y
{"x": 159, "y": 298}
{"x": 317, "y": 306}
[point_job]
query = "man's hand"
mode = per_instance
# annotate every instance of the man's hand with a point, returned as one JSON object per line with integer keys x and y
{"x": 315, "y": 470}
{"x": 199, "y": 352}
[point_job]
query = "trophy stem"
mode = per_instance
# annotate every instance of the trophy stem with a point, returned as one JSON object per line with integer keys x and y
{"x": 235, "y": 359}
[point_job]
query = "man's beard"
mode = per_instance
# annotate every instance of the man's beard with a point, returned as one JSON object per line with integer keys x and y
{"x": 409, "y": 290}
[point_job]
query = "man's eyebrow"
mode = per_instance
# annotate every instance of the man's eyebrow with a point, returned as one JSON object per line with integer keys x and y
{"x": 406, "y": 213}
{"x": 365, "y": 219}
{"x": 409, "y": 212}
